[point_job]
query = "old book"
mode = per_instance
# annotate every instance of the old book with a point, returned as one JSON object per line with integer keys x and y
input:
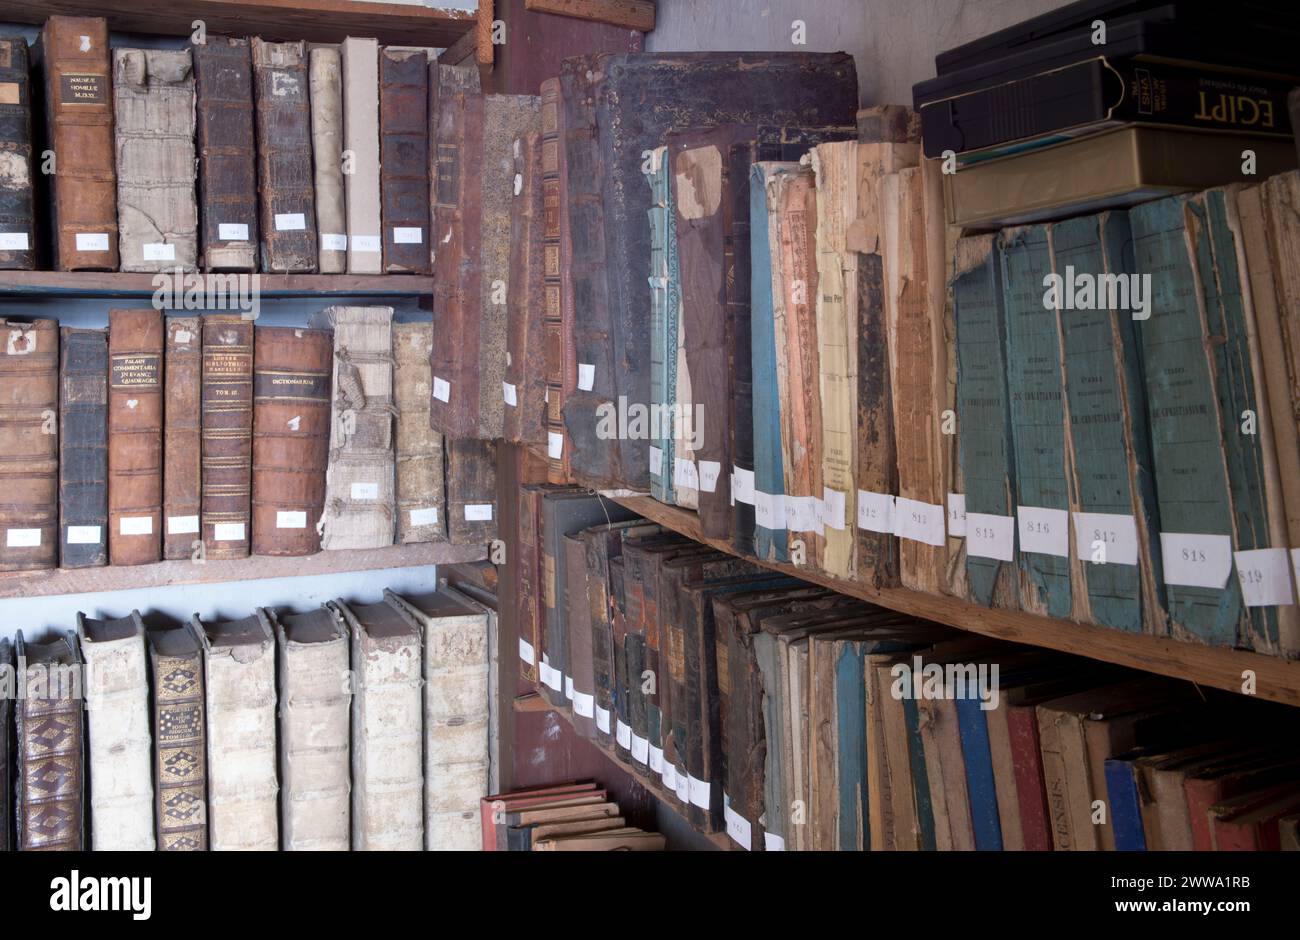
{"x": 471, "y": 492}
{"x": 608, "y": 222}
{"x": 6, "y": 755}
{"x": 291, "y": 407}
{"x": 404, "y": 160}
{"x": 578, "y": 641}
{"x": 325, "y": 77}
{"x": 239, "y": 681}
{"x": 359, "y": 487}
{"x": 528, "y": 595}
{"x": 135, "y": 419}
{"x": 157, "y": 217}
{"x": 182, "y": 435}
{"x": 387, "y": 745}
{"x": 284, "y": 169}
{"x": 469, "y": 592}
{"x": 524, "y": 386}
{"x": 361, "y": 137}
{"x": 180, "y": 739}
{"x": 223, "y": 78}
{"x": 29, "y": 459}
{"x": 455, "y": 638}
{"x": 227, "y": 434}
{"x": 120, "y": 752}
{"x": 314, "y": 732}
{"x": 421, "y": 510}
{"x": 51, "y": 778}
{"x": 557, "y": 312}
{"x": 17, "y": 182}
{"x": 665, "y": 337}
{"x": 73, "y": 52}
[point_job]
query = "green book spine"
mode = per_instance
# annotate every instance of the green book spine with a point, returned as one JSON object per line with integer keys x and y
{"x": 663, "y": 309}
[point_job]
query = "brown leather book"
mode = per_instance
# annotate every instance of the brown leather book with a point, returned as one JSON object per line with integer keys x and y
{"x": 6, "y": 755}
{"x": 525, "y": 385}
{"x": 471, "y": 492}
{"x": 223, "y": 74}
{"x": 284, "y": 168}
{"x": 292, "y": 371}
{"x": 17, "y": 197}
{"x": 577, "y": 623}
{"x": 29, "y": 444}
{"x": 183, "y": 352}
{"x": 135, "y": 416}
{"x": 421, "y": 513}
{"x": 51, "y": 736}
{"x": 79, "y": 123}
{"x": 227, "y": 435}
{"x": 404, "y": 160}
{"x": 557, "y": 312}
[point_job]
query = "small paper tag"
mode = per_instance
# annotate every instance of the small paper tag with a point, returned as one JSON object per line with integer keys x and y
{"x": 1194, "y": 560}
{"x": 182, "y": 525}
{"x": 1044, "y": 531}
{"x": 13, "y": 241}
{"x": 1106, "y": 538}
{"x": 22, "y": 538}
{"x": 773, "y": 843}
{"x": 699, "y": 791}
{"x": 685, "y": 473}
{"x": 602, "y": 719}
{"x": 228, "y": 531}
{"x": 918, "y": 521}
{"x": 876, "y": 512}
{"x": 1265, "y": 576}
{"x": 135, "y": 525}
{"x": 683, "y": 788}
{"x": 640, "y": 749}
{"x": 371, "y": 244}
{"x": 332, "y": 241}
{"x": 508, "y": 394}
{"x": 584, "y": 704}
{"x": 833, "y": 503}
{"x": 586, "y": 376}
{"x": 232, "y": 232}
{"x": 426, "y": 516}
{"x": 478, "y": 512}
{"x": 989, "y": 536}
{"x": 290, "y": 222}
{"x": 742, "y": 486}
{"x": 623, "y": 734}
{"x": 554, "y": 445}
{"x": 801, "y": 514}
{"x": 568, "y": 688}
{"x": 291, "y": 519}
{"x": 84, "y": 535}
{"x": 957, "y": 515}
{"x": 526, "y": 652}
{"x": 710, "y": 470}
{"x": 656, "y": 460}
{"x": 657, "y": 760}
{"x": 93, "y": 241}
{"x": 408, "y": 235}
{"x": 769, "y": 510}
{"x": 365, "y": 491}
{"x": 441, "y": 389}
{"x": 669, "y": 777}
{"x": 738, "y": 828}
{"x": 158, "y": 251}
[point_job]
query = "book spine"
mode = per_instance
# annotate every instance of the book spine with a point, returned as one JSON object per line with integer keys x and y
{"x": 361, "y": 187}
{"x": 979, "y": 774}
{"x": 637, "y": 659}
{"x": 223, "y": 78}
{"x": 135, "y": 367}
{"x": 525, "y": 385}
{"x": 471, "y": 492}
{"x": 404, "y": 160}
{"x": 602, "y": 641}
{"x": 182, "y": 428}
{"x": 421, "y": 508}
{"x": 528, "y": 586}
{"x": 288, "y": 204}
{"x": 1031, "y": 793}
{"x": 6, "y": 756}
{"x": 740, "y": 416}
{"x": 17, "y": 195}
{"x": 1126, "y": 807}
{"x": 664, "y": 304}
{"x": 877, "y": 465}
{"x": 579, "y": 636}
{"x": 51, "y": 747}
{"x": 853, "y": 830}
{"x": 291, "y": 409}
{"x": 226, "y": 436}
{"x": 557, "y": 297}
{"x": 29, "y": 457}
{"x": 325, "y": 75}
{"x": 180, "y": 748}
{"x": 622, "y": 728}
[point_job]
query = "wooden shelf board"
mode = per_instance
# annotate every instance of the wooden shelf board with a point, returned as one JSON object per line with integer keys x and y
{"x": 111, "y": 284}
{"x": 254, "y": 568}
{"x": 315, "y": 20}
{"x": 1276, "y": 679}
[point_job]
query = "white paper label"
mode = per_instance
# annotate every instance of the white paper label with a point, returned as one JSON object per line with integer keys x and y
{"x": 478, "y": 512}
{"x": 683, "y": 788}
{"x": 365, "y": 490}
{"x": 22, "y": 538}
{"x": 426, "y": 516}
{"x": 290, "y": 519}
{"x": 602, "y": 719}
{"x": 773, "y": 843}
{"x": 554, "y": 444}
{"x": 441, "y": 389}
{"x": 669, "y": 777}
{"x": 1044, "y": 531}
{"x": 657, "y": 760}
{"x": 1265, "y": 577}
{"x": 656, "y": 460}
{"x": 182, "y": 525}
{"x": 769, "y": 510}
{"x": 526, "y": 652}
{"x": 509, "y": 395}
{"x": 290, "y": 222}
{"x": 332, "y": 241}
{"x": 685, "y": 473}
{"x": 158, "y": 251}
{"x": 95, "y": 241}
{"x": 552, "y": 678}
{"x": 710, "y": 470}
{"x": 876, "y": 512}
{"x": 640, "y": 749}
{"x": 228, "y": 531}
{"x": 1193, "y": 560}
{"x": 135, "y": 525}
{"x": 1295, "y": 564}
{"x": 918, "y": 521}
{"x": 1106, "y": 538}
{"x": 699, "y": 791}
{"x": 83, "y": 535}
{"x": 623, "y": 734}
{"x": 957, "y": 515}
{"x": 738, "y": 828}
{"x": 232, "y": 232}
{"x": 586, "y": 376}
{"x": 801, "y": 514}
{"x": 408, "y": 235}
{"x": 833, "y": 502}
{"x": 371, "y": 244}
{"x": 584, "y": 704}
{"x": 989, "y": 536}
{"x": 568, "y": 688}
{"x": 13, "y": 241}
{"x": 742, "y": 486}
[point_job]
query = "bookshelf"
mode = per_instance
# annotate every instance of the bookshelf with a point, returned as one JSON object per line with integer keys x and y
{"x": 118, "y": 284}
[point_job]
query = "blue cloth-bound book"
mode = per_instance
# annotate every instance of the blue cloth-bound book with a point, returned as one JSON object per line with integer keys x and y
{"x": 1125, "y": 807}
{"x": 980, "y": 785}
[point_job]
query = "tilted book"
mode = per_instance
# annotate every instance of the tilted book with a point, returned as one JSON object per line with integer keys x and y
{"x": 117, "y": 715}
{"x": 421, "y": 506}
{"x": 29, "y": 444}
{"x": 404, "y": 160}
{"x": 223, "y": 79}
{"x": 524, "y": 386}
{"x": 180, "y": 739}
{"x": 157, "y": 216}
{"x": 284, "y": 169}
{"x": 325, "y": 75}
{"x": 51, "y": 777}
{"x": 135, "y": 425}
{"x": 227, "y": 434}
{"x": 471, "y": 492}
{"x": 361, "y": 139}
{"x": 182, "y": 435}
{"x": 17, "y": 182}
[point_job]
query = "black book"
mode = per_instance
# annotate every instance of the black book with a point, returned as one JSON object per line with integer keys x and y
{"x": 83, "y": 448}
{"x": 17, "y": 221}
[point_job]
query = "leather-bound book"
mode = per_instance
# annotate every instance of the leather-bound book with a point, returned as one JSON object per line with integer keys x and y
{"x": 291, "y": 411}
{"x": 182, "y": 424}
{"x": 17, "y": 193}
{"x": 79, "y": 128}
{"x": 557, "y": 311}
{"x": 135, "y": 418}
{"x": 157, "y": 217}
{"x": 51, "y": 737}
{"x": 227, "y": 436}
{"x": 315, "y": 807}
{"x": 578, "y": 640}
{"x": 223, "y": 77}
{"x": 239, "y": 671}
{"x": 387, "y": 723}
{"x": 284, "y": 168}
{"x": 361, "y": 139}
{"x": 325, "y": 70}
{"x": 117, "y": 713}
{"x": 6, "y": 755}
{"x": 359, "y": 488}
{"x": 471, "y": 492}
{"x": 180, "y": 739}
{"x": 528, "y": 574}
{"x": 29, "y": 444}
{"x": 404, "y": 160}
{"x": 421, "y": 514}
{"x": 524, "y": 387}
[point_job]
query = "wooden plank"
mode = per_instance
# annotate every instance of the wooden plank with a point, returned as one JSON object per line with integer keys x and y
{"x": 114, "y": 284}
{"x": 315, "y": 20}
{"x": 255, "y": 568}
{"x": 485, "y": 52}
{"x": 461, "y": 51}
{"x": 1276, "y": 679}
{"x": 632, "y": 14}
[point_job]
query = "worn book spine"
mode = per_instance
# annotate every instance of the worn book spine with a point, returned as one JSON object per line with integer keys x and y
{"x": 227, "y": 435}
{"x": 17, "y": 180}
{"x": 361, "y": 138}
{"x": 51, "y": 776}
{"x": 29, "y": 457}
{"x": 471, "y": 492}
{"x": 325, "y": 76}
{"x": 579, "y": 640}
{"x": 182, "y": 442}
{"x": 557, "y": 312}
{"x": 157, "y": 215}
{"x": 599, "y": 546}
{"x": 6, "y": 755}
{"x": 740, "y": 158}
{"x": 421, "y": 509}
{"x": 284, "y": 162}
{"x": 664, "y": 308}
{"x": 291, "y": 409}
{"x": 79, "y": 127}
{"x": 524, "y": 386}
{"x": 83, "y": 448}
{"x": 135, "y": 419}
{"x": 223, "y": 78}
{"x": 404, "y": 160}
{"x": 852, "y": 716}
{"x": 529, "y": 611}
{"x": 180, "y": 740}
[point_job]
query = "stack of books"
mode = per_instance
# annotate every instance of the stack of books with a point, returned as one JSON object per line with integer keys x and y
{"x": 570, "y": 817}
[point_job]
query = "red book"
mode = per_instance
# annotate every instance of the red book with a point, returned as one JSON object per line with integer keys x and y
{"x": 1022, "y": 724}
{"x": 1207, "y": 789}
{"x": 1249, "y": 823}
{"x": 493, "y": 807}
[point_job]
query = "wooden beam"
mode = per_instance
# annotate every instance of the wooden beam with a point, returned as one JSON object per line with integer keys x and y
{"x": 485, "y": 52}
{"x": 462, "y": 51}
{"x": 632, "y": 14}
{"x": 122, "y": 284}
